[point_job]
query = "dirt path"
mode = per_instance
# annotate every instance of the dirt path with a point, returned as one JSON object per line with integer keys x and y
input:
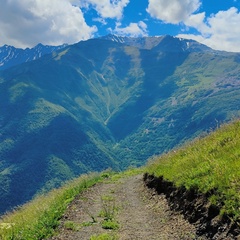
{"x": 141, "y": 214}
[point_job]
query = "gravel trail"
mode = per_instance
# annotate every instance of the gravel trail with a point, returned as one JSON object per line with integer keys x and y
{"x": 140, "y": 213}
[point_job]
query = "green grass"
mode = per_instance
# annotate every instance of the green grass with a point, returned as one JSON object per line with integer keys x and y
{"x": 38, "y": 218}
{"x": 108, "y": 212}
{"x": 131, "y": 171}
{"x": 70, "y": 225}
{"x": 209, "y": 164}
{"x": 110, "y": 224}
{"x": 104, "y": 236}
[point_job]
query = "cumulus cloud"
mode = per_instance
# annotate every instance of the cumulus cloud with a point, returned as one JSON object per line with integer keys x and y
{"x": 107, "y": 8}
{"x": 197, "y": 21}
{"x": 24, "y": 23}
{"x": 100, "y": 20}
{"x": 132, "y": 30}
{"x": 172, "y": 11}
{"x": 219, "y": 31}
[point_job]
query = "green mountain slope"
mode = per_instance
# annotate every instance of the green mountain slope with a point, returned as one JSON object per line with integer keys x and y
{"x": 199, "y": 94}
{"x": 100, "y": 103}
{"x": 204, "y": 178}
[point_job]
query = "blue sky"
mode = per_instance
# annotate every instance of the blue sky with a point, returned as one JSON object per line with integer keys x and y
{"x": 25, "y": 23}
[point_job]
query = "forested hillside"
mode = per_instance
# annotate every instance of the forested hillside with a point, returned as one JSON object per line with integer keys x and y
{"x": 106, "y": 103}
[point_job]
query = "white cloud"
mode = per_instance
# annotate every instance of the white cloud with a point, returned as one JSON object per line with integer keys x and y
{"x": 197, "y": 21}
{"x": 100, "y": 20}
{"x": 172, "y": 11}
{"x": 107, "y": 8}
{"x": 219, "y": 31}
{"x": 25, "y": 23}
{"x": 132, "y": 30}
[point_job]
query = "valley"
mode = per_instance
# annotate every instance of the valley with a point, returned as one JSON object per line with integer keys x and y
{"x": 107, "y": 103}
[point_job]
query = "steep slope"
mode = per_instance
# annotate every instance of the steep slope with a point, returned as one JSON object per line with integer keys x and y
{"x": 202, "y": 181}
{"x": 54, "y": 115}
{"x": 186, "y": 93}
{"x": 11, "y": 56}
{"x": 102, "y": 103}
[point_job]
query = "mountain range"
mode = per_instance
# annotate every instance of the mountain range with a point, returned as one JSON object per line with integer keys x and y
{"x": 11, "y": 56}
{"x": 109, "y": 102}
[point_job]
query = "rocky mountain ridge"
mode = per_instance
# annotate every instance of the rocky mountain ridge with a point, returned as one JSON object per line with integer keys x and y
{"x": 11, "y": 56}
{"x": 165, "y": 43}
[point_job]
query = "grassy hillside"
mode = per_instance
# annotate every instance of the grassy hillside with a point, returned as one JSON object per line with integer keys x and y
{"x": 208, "y": 165}
{"x": 38, "y": 218}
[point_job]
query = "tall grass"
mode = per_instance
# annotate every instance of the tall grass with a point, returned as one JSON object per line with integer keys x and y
{"x": 209, "y": 164}
{"x": 38, "y": 218}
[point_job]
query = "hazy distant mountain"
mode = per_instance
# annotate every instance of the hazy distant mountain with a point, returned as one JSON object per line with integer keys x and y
{"x": 107, "y": 102}
{"x": 11, "y": 56}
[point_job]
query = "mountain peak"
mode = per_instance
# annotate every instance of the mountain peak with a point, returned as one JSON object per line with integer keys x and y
{"x": 11, "y": 56}
{"x": 139, "y": 42}
{"x": 160, "y": 43}
{"x": 115, "y": 38}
